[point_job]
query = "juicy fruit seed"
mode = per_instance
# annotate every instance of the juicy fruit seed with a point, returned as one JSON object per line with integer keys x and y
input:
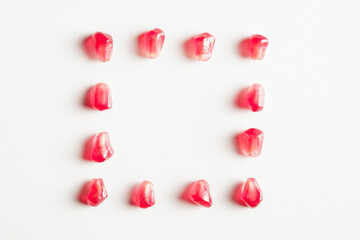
{"x": 249, "y": 193}
{"x": 204, "y": 45}
{"x": 200, "y": 47}
{"x": 100, "y": 46}
{"x": 99, "y": 97}
{"x": 93, "y": 192}
{"x": 143, "y": 195}
{"x": 258, "y": 45}
{"x": 151, "y": 43}
{"x": 252, "y": 98}
{"x": 100, "y": 149}
{"x": 249, "y": 143}
{"x": 256, "y": 97}
{"x": 198, "y": 193}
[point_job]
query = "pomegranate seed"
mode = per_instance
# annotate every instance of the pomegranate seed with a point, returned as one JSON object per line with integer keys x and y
{"x": 198, "y": 193}
{"x": 99, "y": 97}
{"x": 100, "y": 46}
{"x": 258, "y": 45}
{"x": 249, "y": 143}
{"x": 256, "y": 97}
{"x": 200, "y": 47}
{"x": 143, "y": 195}
{"x": 100, "y": 148}
{"x": 252, "y": 98}
{"x": 151, "y": 43}
{"x": 93, "y": 192}
{"x": 249, "y": 193}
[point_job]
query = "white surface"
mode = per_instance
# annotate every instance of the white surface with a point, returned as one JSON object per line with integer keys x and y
{"x": 173, "y": 119}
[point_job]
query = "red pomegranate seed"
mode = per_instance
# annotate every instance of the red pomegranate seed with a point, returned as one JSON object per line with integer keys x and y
{"x": 201, "y": 46}
{"x": 249, "y": 143}
{"x": 198, "y": 193}
{"x": 101, "y": 149}
{"x": 143, "y": 195}
{"x": 249, "y": 193}
{"x": 99, "y": 97}
{"x": 102, "y": 44}
{"x": 93, "y": 192}
{"x": 151, "y": 43}
{"x": 256, "y": 97}
{"x": 252, "y": 98}
{"x": 258, "y": 45}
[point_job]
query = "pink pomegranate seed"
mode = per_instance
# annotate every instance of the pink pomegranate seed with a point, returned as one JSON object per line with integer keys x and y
{"x": 198, "y": 192}
{"x": 101, "y": 149}
{"x": 151, "y": 43}
{"x": 99, "y": 97}
{"x": 249, "y": 193}
{"x": 202, "y": 46}
{"x": 252, "y": 98}
{"x": 93, "y": 192}
{"x": 256, "y": 97}
{"x": 249, "y": 143}
{"x": 143, "y": 195}
{"x": 258, "y": 45}
{"x": 102, "y": 44}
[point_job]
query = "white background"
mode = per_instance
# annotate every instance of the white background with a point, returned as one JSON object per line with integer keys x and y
{"x": 174, "y": 119}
